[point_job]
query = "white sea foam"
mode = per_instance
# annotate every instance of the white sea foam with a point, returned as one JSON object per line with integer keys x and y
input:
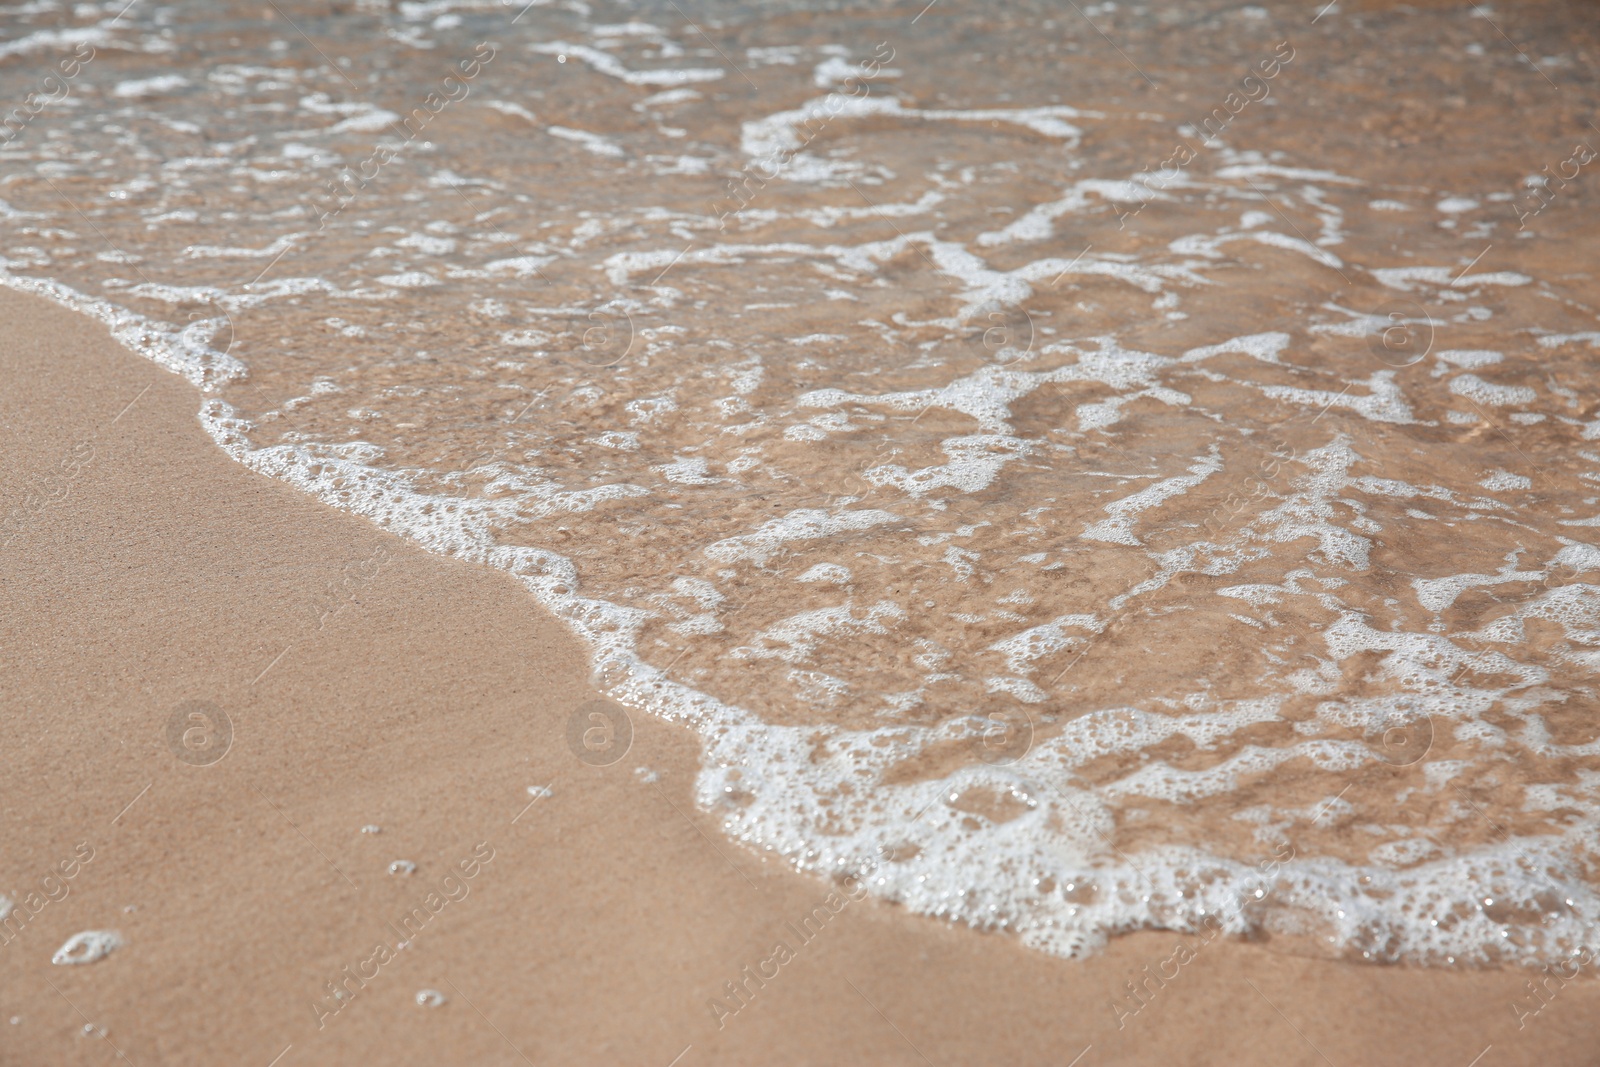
{"x": 1475, "y": 388}
{"x": 588, "y": 141}
{"x": 609, "y": 65}
{"x": 142, "y": 87}
{"x": 1407, "y": 279}
{"x": 775, "y": 138}
{"x": 186, "y": 351}
{"x": 56, "y": 40}
{"x": 1119, "y": 527}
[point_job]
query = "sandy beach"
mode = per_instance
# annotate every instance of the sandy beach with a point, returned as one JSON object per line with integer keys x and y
{"x": 642, "y": 532}
{"x": 425, "y": 697}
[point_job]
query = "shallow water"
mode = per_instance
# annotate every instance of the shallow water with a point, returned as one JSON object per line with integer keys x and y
{"x": 1084, "y": 469}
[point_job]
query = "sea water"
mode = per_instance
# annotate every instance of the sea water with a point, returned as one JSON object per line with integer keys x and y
{"x": 1076, "y": 469}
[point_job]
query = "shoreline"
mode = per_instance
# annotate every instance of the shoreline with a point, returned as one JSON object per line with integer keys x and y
{"x": 364, "y": 682}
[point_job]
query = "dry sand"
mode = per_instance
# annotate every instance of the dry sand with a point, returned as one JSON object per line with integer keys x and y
{"x": 428, "y": 703}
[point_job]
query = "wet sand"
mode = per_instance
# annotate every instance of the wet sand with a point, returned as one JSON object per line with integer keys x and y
{"x": 425, "y": 696}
